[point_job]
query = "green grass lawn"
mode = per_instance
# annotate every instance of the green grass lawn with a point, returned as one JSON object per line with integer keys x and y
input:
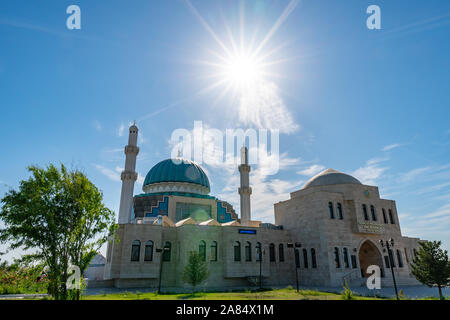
{"x": 279, "y": 294}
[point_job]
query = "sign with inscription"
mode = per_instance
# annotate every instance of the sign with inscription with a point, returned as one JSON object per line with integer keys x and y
{"x": 247, "y": 231}
{"x": 370, "y": 227}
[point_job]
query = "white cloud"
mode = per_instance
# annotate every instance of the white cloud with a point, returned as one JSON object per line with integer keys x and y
{"x": 391, "y": 146}
{"x": 374, "y": 161}
{"x": 413, "y": 174}
{"x": 120, "y": 130}
{"x": 110, "y": 174}
{"x": 97, "y": 125}
{"x": 114, "y": 175}
{"x": 264, "y": 108}
{"x": 369, "y": 174}
{"x": 442, "y": 211}
{"x": 266, "y": 191}
{"x": 311, "y": 170}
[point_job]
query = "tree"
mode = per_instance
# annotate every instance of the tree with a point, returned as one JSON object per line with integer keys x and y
{"x": 431, "y": 265}
{"x": 59, "y": 214}
{"x": 196, "y": 271}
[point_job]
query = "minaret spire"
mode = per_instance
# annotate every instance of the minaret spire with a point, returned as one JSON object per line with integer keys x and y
{"x": 245, "y": 191}
{"x": 129, "y": 176}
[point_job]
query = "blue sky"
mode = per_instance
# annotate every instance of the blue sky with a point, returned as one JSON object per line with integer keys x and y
{"x": 372, "y": 103}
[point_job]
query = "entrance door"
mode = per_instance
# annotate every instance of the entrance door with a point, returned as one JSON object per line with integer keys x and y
{"x": 369, "y": 255}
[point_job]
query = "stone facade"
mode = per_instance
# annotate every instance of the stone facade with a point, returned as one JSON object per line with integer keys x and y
{"x": 328, "y": 231}
{"x": 304, "y": 219}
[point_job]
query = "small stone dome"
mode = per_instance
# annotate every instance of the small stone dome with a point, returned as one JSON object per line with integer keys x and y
{"x": 330, "y": 177}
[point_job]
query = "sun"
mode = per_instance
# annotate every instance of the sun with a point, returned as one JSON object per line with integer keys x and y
{"x": 242, "y": 70}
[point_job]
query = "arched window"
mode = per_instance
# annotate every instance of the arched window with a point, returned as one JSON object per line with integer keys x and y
{"x": 237, "y": 251}
{"x": 336, "y": 258}
{"x": 339, "y": 209}
{"x": 202, "y": 250}
{"x": 248, "y": 251}
{"x": 135, "y": 250}
{"x": 313, "y": 258}
{"x": 148, "y": 251}
{"x": 384, "y": 216}
{"x": 399, "y": 259}
{"x": 346, "y": 262}
{"x": 272, "y": 252}
{"x": 213, "y": 256}
{"x": 258, "y": 251}
{"x": 331, "y": 210}
{"x": 167, "y": 251}
{"x": 391, "y": 217}
{"x": 305, "y": 258}
{"x": 281, "y": 252}
{"x": 372, "y": 211}
{"x": 366, "y": 215}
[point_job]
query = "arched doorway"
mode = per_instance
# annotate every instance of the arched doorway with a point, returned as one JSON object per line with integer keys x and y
{"x": 369, "y": 255}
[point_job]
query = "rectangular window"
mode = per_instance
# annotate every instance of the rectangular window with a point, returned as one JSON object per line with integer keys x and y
{"x": 392, "y": 259}
{"x": 391, "y": 217}
{"x": 353, "y": 258}
{"x": 272, "y": 252}
{"x": 313, "y": 258}
{"x": 297, "y": 258}
{"x": 213, "y": 255}
{"x": 366, "y": 215}
{"x": 281, "y": 253}
{"x": 386, "y": 262}
{"x": 166, "y": 253}
{"x": 305, "y": 258}
{"x": 248, "y": 252}
{"x": 336, "y": 258}
{"x": 346, "y": 262}
{"x": 399, "y": 258}
{"x": 237, "y": 252}
{"x": 135, "y": 252}
{"x": 198, "y": 212}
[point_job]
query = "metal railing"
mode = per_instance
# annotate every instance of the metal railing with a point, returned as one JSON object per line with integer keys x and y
{"x": 350, "y": 276}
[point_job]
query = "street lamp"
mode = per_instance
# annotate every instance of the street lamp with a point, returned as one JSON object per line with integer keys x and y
{"x": 294, "y": 246}
{"x": 388, "y": 244}
{"x": 261, "y": 252}
{"x": 161, "y": 250}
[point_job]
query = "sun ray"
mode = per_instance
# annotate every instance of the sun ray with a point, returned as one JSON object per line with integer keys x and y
{"x": 287, "y": 11}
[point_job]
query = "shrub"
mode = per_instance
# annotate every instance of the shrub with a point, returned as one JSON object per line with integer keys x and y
{"x": 347, "y": 294}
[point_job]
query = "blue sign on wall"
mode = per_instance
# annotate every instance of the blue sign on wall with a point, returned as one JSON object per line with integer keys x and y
{"x": 247, "y": 231}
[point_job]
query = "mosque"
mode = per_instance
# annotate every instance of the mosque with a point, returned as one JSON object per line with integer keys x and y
{"x": 328, "y": 231}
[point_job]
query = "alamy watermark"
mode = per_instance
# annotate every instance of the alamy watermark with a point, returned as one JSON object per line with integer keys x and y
{"x": 222, "y": 147}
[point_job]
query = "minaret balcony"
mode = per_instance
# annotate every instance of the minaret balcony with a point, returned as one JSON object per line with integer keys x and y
{"x": 129, "y": 175}
{"x": 131, "y": 150}
{"x": 245, "y": 190}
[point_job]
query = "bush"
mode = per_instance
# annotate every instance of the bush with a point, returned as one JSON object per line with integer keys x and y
{"x": 347, "y": 294}
{"x": 15, "y": 280}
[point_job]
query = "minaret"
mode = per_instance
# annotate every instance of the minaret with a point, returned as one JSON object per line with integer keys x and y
{"x": 128, "y": 176}
{"x": 245, "y": 191}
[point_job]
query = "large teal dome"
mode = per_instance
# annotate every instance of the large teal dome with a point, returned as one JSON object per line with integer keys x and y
{"x": 177, "y": 170}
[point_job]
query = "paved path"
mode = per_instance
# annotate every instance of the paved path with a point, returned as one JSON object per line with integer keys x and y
{"x": 22, "y": 296}
{"x": 409, "y": 291}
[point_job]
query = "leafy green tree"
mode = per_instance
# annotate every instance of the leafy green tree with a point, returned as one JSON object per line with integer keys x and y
{"x": 196, "y": 270}
{"x": 431, "y": 265}
{"x": 60, "y": 215}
